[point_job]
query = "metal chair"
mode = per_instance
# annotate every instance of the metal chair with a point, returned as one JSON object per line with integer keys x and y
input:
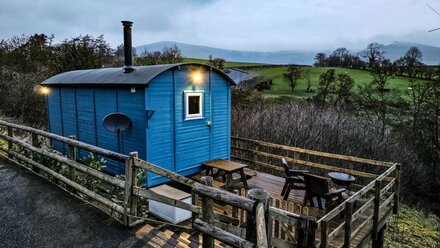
{"x": 319, "y": 187}
{"x": 294, "y": 179}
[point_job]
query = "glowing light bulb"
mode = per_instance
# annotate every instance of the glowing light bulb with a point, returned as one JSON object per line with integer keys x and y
{"x": 44, "y": 90}
{"x": 196, "y": 77}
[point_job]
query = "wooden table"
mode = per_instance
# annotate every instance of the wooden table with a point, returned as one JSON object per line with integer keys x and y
{"x": 228, "y": 167}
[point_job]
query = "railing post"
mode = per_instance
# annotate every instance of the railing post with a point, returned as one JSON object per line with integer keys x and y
{"x": 348, "y": 217}
{"x": 378, "y": 243}
{"x": 10, "y": 144}
{"x": 377, "y": 188}
{"x": 259, "y": 196}
{"x": 207, "y": 213}
{"x": 35, "y": 143}
{"x": 324, "y": 234}
{"x": 396, "y": 188}
{"x": 129, "y": 181}
{"x": 72, "y": 156}
{"x": 305, "y": 231}
{"x": 235, "y": 210}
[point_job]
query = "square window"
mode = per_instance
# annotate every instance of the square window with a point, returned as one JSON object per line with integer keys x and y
{"x": 193, "y": 105}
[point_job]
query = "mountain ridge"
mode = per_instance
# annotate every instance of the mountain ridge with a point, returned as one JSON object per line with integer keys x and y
{"x": 431, "y": 54}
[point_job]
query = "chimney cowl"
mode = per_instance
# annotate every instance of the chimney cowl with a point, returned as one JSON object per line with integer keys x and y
{"x": 128, "y": 49}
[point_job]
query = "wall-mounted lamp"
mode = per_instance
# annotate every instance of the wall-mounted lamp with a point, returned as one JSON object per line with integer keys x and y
{"x": 44, "y": 90}
{"x": 196, "y": 77}
{"x": 149, "y": 113}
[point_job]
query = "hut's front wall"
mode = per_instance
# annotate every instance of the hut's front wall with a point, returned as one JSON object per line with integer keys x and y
{"x": 80, "y": 111}
{"x": 183, "y": 145}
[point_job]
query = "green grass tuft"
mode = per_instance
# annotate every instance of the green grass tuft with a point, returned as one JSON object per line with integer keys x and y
{"x": 412, "y": 228}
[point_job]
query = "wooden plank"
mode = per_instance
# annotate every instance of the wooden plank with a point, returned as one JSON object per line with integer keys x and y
{"x": 225, "y": 165}
{"x": 347, "y": 233}
{"x": 224, "y": 196}
{"x": 221, "y": 235}
{"x": 72, "y": 156}
{"x": 163, "y": 172}
{"x": 277, "y": 242}
{"x": 336, "y": 231}
{"x": 359, "y": 211}
{"x": 378, "y": 187}
{"x": 311, "y": 164}
{"x": 324, "y": 234}
{"x": 388, "y": 186}
{"x": 397, "y": 188}
{"x": 79, "y": 144}
{"x": 128, "y": 191}
{"x": 10, "y": 142}
{"x": 207, "y": 214}
{"x": 318, "y": 153}
{"x": 106, "y": 202}
{"x": 78, "y": 166}
{"x": 359, "y": 228}
{"x": 283, "y": 215}
{"x": 148, "y": 194}
{"x": 261, "y": 226}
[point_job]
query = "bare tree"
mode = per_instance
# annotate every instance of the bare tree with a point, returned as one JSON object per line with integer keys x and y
{"x": 374, "y": 53}
{"x": 293, "y": 74}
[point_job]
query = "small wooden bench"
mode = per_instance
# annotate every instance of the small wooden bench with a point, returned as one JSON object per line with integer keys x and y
{"x": 215, "y": 184}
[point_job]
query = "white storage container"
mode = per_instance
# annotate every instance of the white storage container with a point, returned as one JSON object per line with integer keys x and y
{"x": 167, "y": 212}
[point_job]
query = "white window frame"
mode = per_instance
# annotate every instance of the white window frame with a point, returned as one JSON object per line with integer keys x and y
{"x": 193, "y": 116}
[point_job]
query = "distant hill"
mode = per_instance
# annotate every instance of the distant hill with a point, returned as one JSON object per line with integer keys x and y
{"x": 431, "y": 54}
{"x": 202, "y": 52}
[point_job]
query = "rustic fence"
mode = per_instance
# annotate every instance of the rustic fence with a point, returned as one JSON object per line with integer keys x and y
{"x": 256, "y": 219}
{"x": 24, "y": 153}
{"x": 364, "y": 212}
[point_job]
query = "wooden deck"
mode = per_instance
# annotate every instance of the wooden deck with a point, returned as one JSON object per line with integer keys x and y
{"x": 274, "y": 184}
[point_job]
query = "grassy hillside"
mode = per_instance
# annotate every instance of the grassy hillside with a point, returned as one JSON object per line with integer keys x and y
{"x": 282, "y": 88}
{"x": 411, "y": 228}
{"x": 227, "y": 64}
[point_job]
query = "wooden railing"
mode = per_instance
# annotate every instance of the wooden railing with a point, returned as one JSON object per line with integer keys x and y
{"x": 377, "y": 177}
{"x": 261, "y": 216}
{"x": 25, "y": 154}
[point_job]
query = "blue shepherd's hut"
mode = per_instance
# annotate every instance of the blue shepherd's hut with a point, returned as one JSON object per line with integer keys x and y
{"x": 176, "y": 116}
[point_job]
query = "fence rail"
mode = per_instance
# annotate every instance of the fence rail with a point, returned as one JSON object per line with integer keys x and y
{"x": 257, "y": 220}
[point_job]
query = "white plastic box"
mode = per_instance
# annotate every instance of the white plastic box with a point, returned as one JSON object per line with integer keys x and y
{"x": 166, "y": 212}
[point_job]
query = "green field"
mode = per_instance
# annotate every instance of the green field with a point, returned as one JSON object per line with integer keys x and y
{"x": 282, "y": 88}
{"x": 227, "y": 64}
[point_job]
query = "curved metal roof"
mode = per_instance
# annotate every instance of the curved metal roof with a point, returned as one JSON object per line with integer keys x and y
{"x": 116, "y": 76}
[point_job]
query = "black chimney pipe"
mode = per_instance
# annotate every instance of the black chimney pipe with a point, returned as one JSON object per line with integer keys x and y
{"x": 128, "y": 50}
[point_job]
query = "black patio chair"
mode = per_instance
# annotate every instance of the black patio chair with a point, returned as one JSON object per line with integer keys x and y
{"x": 294, "y": 179}
{"x": 319, "y": 187}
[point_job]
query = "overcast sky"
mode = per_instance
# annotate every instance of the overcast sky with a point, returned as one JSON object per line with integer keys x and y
{"x": 261, "y": 25}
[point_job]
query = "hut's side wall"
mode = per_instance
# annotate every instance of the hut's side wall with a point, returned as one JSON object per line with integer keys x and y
{"x": 160, "y": 131}
{"x": 80, "y": 112}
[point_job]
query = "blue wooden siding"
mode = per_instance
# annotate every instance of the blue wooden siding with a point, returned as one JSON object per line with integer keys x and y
{"x": 86, "y": 118}
{"x": 81, "y": 111}
{"x": 160, "y": 134}
{"x": 68, "y": 108}
{"x": 192, "y": 136}
{"x": 183, "y": 145}
{"x": 55, "y": 120}
{"x": 220, "y": 137}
